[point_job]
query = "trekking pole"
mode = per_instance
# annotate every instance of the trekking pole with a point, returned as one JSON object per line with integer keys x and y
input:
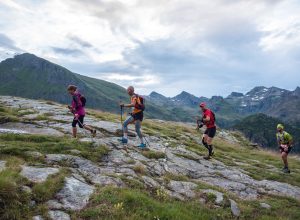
{"x": 147, "y": 142}
{"x": 121, "y": 115}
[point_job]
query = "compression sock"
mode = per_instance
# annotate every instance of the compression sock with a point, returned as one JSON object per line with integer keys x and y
{"x": 205, "y": 144}
{"x": 210, "y": 150}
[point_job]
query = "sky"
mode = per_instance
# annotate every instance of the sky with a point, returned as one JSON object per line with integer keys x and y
{"x": 200, "y": 46}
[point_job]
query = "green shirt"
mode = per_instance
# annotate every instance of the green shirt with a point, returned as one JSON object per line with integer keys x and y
{"x": 284, "y": 137}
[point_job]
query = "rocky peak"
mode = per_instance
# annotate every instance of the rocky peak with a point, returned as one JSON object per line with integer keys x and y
{"x": 297, "y": 91}
{"x": 156, "y": 95}
{"x": 236, "y": 94}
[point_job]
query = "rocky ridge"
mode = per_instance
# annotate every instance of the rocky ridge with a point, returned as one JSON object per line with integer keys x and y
{"x": 121, "y": 163}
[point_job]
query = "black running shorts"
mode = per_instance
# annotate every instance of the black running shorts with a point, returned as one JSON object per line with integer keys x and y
{"x": 282, "y": 150}
{"x": 210, "y": 132}
{"x": 79, "y": 121}
{"x": 138, "y": 116}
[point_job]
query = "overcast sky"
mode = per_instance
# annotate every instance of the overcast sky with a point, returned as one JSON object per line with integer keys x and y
{"x": 204, "y": 47}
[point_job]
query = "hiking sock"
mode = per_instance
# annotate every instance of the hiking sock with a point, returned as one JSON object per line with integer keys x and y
{"x": 205, "y": 144}
{"x": 142, "y": 140}
{"x": 125, "y": 135}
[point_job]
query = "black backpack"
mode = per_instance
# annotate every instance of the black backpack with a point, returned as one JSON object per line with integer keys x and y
{"x": 83, "y": 100}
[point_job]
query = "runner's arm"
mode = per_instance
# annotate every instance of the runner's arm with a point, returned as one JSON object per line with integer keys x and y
{"x": 206, "y": 119}
{"x": 129, "y": 105}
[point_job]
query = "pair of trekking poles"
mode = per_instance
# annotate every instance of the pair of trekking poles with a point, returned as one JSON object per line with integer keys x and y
{"x": 122, "y": 112}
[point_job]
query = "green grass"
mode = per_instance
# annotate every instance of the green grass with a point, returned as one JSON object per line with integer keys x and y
{"x": 18, "y": 144}
{"x": 153, "y": 154}
{"x": 14, "y": 203}
{"x": 133, "y": 204}
{"x": 46, "y": 190}
{"x": 8, "y": 114}
{"x": 139, "y": 169}
{"x": 227, "y": 153}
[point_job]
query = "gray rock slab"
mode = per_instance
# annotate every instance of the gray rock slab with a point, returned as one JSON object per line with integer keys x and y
{"x": 184, "y": 188}
{"x": 75, "y": 194}
{"x": 22, "y": 128}
{"x": 107, "y": 181}
{"x": 150, "y": 182}
{"x": 36, "y": 174}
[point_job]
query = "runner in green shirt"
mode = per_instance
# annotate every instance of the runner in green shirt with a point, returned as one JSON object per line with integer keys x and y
{"x": 285, "y": 141}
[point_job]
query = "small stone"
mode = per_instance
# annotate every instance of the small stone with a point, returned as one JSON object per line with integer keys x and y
{"x": 37, "y": 217}
{"x": 219, "y": 196}
{"x": 54, "y": 204}
{"x": 74, "y": 151}
{"x": 32, "y": 203}
{"x": 26, "y": 189}
{"x": 265, "y": 205}
{"x": 59, "y": 215}
{"x": 34, "y": 154}
{"x": 2, "y": 165}
{"x": 234, "y": 208}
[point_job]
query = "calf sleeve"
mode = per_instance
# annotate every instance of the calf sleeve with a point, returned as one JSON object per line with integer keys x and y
{"x": 205, "y": 144}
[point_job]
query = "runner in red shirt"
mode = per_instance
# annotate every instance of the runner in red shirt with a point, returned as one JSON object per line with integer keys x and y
{"x": 208, "y": 119}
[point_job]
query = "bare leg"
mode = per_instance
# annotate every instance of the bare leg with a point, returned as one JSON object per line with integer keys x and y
{"x": 74, "y": 130}
{"x": 138, "y": 130}
{"x": 284, "y": 159}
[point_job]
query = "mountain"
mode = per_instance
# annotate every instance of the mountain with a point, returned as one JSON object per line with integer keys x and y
{"x": 273, "y": 101}
{"x": 261, "y": 129}
{"x": 29, "y": 76}
{"x": 186, "y": 99}
{"x": 46, "y": 174}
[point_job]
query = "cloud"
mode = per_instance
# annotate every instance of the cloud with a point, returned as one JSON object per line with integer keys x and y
{"x": 6, "y": 42}
{"x": 79, "y": 41}
{"x": 67, "y": 51}
{"x": 204, "y": 47}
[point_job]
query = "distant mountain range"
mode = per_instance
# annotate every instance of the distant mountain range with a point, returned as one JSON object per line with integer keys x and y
{"x": 29, "y": 76}
{"x": 275, "y": 102}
